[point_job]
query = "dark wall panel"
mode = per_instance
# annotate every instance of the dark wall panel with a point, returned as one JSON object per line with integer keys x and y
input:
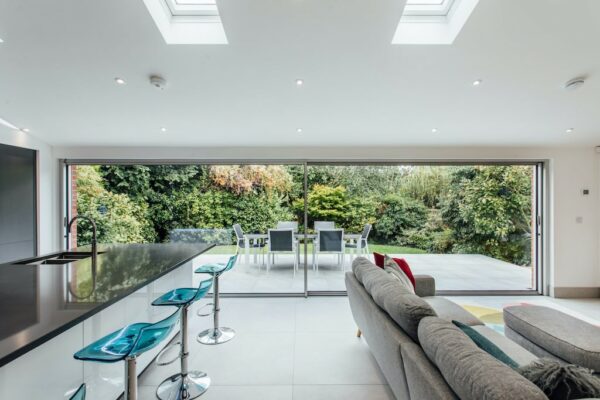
{"x": 18, "y": 215}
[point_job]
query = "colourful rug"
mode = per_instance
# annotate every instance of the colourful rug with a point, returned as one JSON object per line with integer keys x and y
{"x": 489, "y": 316}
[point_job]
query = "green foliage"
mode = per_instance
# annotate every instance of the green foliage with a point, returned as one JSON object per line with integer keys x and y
{"x": 426, "y": 184}
{"x": 489, "y": 211}
{"x": 439, "y": 209}
{"x": 118, "y": 219}
{"x": 327, "y": 203}
{"x": 396, "y": 215}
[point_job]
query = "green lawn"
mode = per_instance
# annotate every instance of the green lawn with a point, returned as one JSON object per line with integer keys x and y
{"x": 380, "y": 248}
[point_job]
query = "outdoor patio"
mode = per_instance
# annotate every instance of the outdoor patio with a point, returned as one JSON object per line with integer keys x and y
{"x": 451, "y": 271}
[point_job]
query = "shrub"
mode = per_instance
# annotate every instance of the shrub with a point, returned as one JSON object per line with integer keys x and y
{"x": 118, "y": 219}
{"x": 396, "y": 216}
{"x": 326, "y": 203}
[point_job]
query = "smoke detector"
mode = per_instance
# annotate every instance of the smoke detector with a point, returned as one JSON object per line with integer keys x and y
{"x": 158, "y": 82}
{"x": 574, "y": 83}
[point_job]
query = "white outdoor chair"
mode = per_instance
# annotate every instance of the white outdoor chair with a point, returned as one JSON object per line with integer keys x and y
{"x": 324, "y": 225}
{"x": 293, "y": 225}
{"x": 329, "y": 241}
{"x": 364, "y": 245}
{"x": 281, "y": 241}
{"x": 241, "y": 242}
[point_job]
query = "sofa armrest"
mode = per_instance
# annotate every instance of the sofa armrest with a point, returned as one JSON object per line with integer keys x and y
{"x": 425, "y": 285}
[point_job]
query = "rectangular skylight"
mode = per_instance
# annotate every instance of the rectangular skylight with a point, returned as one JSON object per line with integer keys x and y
{"x": 439, "y": 8}
{"x": 188, "y": 21}
{"x": 195, "y": 8}
{"x": 433, "y": 21}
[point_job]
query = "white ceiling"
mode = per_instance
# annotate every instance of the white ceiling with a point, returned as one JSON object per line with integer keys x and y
{"x": 60, "y": 57}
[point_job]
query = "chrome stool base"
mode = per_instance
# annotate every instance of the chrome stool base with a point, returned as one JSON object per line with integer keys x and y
{"x": 200, "y": 313}
{"x": 216, "y": 336}
{"x": 178, "y": 387}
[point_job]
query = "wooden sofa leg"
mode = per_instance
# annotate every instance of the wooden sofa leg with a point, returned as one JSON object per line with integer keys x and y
{"x": 358, "y": 333}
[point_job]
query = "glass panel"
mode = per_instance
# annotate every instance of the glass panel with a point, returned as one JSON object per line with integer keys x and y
{"x": 234, "y": 207}
{"x": 469, "y": 226}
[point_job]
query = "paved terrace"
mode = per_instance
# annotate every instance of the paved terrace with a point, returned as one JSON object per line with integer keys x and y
{"x": 451, "y": 271}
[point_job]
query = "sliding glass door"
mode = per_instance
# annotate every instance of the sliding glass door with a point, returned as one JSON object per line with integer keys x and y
{"x": 297, "y": 227}
{"x": 237, "y": 207}
{"x": 474, "y": 227}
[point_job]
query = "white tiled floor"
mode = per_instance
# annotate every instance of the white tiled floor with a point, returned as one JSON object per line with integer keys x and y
{"x": 305, "y": 349}
{"x": 285, "y": 348}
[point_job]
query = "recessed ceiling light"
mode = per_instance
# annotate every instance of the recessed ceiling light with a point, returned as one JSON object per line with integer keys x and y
{"x": 433, "y": 130}
{"x": 299, "y": 82}
{"x": 299, "y": 130}
{"x": 120, "y": 81}
{"x": 25, "y": 130}
{"x": 477, "y": 82}
{"x": 570, "y": 130}
{"x": 163, "y": 129}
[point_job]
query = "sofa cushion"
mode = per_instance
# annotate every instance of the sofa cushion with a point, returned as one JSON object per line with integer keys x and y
{"x": 379, "y": 259}
{"x": 450, "y": 311}
{"x": 392, "y": 268}
{"x": 471, "y": 373}
{"x": 566, "y": 337}
{"x": 403, "y": 266}
{"x": 407, "y": 310}
{"x": 360, "y": 265}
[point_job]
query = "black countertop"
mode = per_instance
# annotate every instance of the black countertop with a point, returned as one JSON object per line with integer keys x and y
{"x": 74, "y": 293}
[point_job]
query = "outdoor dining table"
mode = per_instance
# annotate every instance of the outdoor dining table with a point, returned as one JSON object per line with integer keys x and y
{"x": 248, "y": 237}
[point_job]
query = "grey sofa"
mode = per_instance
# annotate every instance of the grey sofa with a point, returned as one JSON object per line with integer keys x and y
{"x": 420, "y": 352}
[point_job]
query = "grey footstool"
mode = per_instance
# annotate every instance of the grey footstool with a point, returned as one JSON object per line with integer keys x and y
{"x": 550, "y": 333}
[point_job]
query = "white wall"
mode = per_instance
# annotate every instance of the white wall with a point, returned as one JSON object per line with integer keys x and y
{"x": 47, "y": 186}
{"x": 572, "y": 258}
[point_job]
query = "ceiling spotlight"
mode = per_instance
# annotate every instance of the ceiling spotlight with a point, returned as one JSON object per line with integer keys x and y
{"x": 570, "y": 130}
{"x": 163, "y": 129}
{"x": 299, "y": 82}
{"x": 299, "y": 130}
{"x": 574, "y": 83}
{"x": 24, "y": 130}
{"x": 434, "y": 130}
{"x": 477, "y": 82}
{"x": 120, "y": 81}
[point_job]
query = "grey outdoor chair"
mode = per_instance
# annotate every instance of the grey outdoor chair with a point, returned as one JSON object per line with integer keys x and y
{"x": 329, "y": 241}
{"x": 364, "y": 245}
{"x": 281, "y": 241}
{"x": 241, "y": 242}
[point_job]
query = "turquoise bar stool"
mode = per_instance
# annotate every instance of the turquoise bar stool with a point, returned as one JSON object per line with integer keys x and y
{"x": 186, "y": 384}
{"x": 79, "y": 394}
{"x": 217, "y": 334}
{"x": 127, "y": 344}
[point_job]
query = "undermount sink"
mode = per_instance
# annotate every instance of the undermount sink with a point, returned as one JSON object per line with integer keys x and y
{"x": 61, "y": 258}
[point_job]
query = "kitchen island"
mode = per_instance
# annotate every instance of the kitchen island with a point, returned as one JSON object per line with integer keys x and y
{"x": 54, "y": 305}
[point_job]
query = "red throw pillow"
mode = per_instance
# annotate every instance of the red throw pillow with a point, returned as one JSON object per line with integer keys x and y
{"x": 379, "y": 259}
{"x": 406, "y": 269}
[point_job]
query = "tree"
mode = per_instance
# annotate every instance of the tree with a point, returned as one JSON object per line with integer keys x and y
{"x": 118, "y": 219}
{"x": 488, "y": 209}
